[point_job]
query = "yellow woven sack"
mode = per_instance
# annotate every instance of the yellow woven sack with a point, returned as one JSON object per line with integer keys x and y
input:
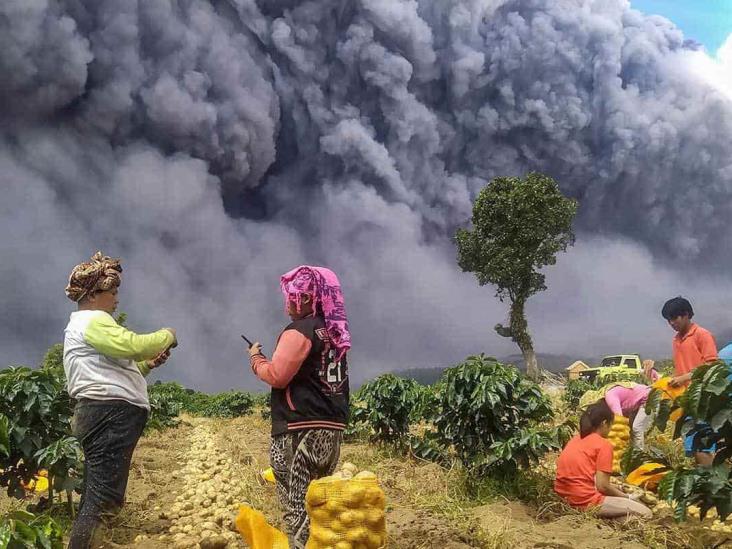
{"x": 346, "y": 513}
{"x": 257, "y": 532}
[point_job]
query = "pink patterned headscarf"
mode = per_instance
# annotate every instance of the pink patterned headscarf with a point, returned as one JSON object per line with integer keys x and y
{"x": 323, "y": 285}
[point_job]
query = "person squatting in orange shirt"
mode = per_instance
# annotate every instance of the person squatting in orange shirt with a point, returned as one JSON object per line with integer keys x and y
{"x": 585, "y": 465}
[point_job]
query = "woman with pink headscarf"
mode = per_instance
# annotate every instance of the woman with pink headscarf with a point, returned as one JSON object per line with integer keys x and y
{"x": 308, "y": 374}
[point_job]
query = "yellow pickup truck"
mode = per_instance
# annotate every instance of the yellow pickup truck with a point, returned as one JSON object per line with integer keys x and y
{"x": 615, "y": 366}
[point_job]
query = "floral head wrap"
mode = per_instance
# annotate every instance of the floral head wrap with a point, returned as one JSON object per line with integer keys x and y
{"x": 100, "y": 274}
{"x": 323, "y": 286}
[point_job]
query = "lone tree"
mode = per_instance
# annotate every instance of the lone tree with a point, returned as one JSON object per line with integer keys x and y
{"x": 519, "y": 225}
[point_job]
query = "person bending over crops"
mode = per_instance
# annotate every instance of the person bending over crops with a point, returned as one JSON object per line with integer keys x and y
{"x": 105, "y": 365}
{"x": 628, "y": 399}
{"x": 309, "y": 378}
{"x": 585, "y": 465}
{"x": 692, "y": 346}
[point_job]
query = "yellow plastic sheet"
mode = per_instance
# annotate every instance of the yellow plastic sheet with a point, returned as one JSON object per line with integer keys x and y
{"x": 668, "y": 391}
{"x": 257, "y": 532}
{"x": 268, "y": 475}
{"x": 648, "y": 475}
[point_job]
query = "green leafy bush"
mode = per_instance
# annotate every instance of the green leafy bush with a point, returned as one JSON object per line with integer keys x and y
{"x": 492, "y": 416}
{"x": 386, "y": 405}
{"x": 63, "y": 460}
{"x": 174, "y": 398}
{"x": 573, "y": 391}
{"x": 23, "y": 530}
{"x": 428, "y": 447}
{"x": 262, "y": 401}
{"x": 178, "y": 396}
{"x": 707, "y": 400}
{"x": 229, "y": 404}
{"x": 665, "y": 367}
{"x": 427, "y": 402}
{"x": 37, "y": 414}
{"x": 357, "y": 432}
{"x": 357, "y": 428}
{"x": 632, "y": 375}
{"x": 54, "y": 358}
{"x": 164, "y": 410}
{"x": 527, "y": 446}
{"x": 706, "y": 488}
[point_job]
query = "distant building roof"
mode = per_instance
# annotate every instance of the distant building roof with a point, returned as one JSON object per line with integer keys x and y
{"x": 578, "y": 365}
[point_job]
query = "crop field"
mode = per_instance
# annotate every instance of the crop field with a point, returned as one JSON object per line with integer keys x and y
{"x": 466, "y": 462}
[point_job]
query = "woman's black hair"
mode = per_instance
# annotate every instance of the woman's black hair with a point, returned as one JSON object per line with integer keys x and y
{"x": 593, "y": 417}
{"x": 678, "y": 306}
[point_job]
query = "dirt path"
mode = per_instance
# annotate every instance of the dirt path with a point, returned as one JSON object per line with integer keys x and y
{"x": 186, "y": 483}
{"x": 521, "y": 529}
{"x": 183, "y": 492}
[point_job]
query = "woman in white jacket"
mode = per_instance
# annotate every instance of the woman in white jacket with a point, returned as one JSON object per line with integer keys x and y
{"x": 105, "y": 365}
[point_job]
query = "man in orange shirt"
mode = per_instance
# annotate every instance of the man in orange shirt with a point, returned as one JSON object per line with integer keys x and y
{"x": 693, "y": 346}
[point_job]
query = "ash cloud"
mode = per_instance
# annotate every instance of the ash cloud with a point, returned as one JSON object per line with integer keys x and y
{"x": 213, "y": 145}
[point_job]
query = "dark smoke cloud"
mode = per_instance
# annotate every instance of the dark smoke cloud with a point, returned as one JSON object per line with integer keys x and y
{"x": 214, "y": 145}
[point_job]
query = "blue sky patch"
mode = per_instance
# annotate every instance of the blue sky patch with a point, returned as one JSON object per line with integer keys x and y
{"x": 708, "y": 22}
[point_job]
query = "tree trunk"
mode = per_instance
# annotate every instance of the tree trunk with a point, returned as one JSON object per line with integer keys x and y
{"x": 532, "y": 367}
{"x": 520, "y": 335}
{"x": 70, "y": 501}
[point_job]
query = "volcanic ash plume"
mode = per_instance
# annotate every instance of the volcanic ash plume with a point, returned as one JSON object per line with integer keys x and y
{"x": 214, "y": 145}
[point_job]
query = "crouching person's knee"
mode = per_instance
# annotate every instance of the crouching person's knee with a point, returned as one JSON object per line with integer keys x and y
{"x": 641, "y": 510}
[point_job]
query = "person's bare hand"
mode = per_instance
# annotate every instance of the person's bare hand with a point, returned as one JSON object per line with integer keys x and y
{"x": 255, "y": 349}
{"x": 677, "y": 381}
{"x": 159, "y": 360}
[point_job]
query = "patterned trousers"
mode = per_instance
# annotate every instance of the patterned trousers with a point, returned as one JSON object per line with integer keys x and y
{"x": 298, "y": 458}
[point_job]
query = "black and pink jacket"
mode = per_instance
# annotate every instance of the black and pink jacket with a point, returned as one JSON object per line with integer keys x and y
{"x": 309, "y": 386}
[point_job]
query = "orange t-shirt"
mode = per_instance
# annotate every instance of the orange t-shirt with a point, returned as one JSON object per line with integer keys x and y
{"x": 697, "y": 347}
{"x": 576, "y": 468}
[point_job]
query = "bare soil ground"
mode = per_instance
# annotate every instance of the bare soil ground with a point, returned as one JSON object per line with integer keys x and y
{"x": 154, "y": 485}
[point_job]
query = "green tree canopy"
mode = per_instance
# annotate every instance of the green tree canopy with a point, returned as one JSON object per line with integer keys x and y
{"x": 519, "y": 226}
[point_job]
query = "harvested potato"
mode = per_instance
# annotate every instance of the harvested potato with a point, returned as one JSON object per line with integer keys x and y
{"x": 214, "y": 542}
{"x": 365, "y": 475}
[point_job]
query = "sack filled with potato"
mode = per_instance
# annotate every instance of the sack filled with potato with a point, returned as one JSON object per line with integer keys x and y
{"x": 346, "y": 511}
{"x": 619, "y": 437}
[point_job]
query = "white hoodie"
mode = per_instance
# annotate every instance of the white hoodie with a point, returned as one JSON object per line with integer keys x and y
{"x": 105, "y": 361}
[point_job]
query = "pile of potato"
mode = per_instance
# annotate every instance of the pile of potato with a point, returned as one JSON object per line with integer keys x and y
{"x": 693, "y": 512}
{"x": 711, "y": 520}
{"x": 619, "y": 437}
{"x": 718, "y": 526}
{"x": 203, "y": 513}
{"x": 346, "y": 511}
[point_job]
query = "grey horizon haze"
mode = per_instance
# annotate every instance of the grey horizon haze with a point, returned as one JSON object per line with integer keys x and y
{"x": 214, "y": 145}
